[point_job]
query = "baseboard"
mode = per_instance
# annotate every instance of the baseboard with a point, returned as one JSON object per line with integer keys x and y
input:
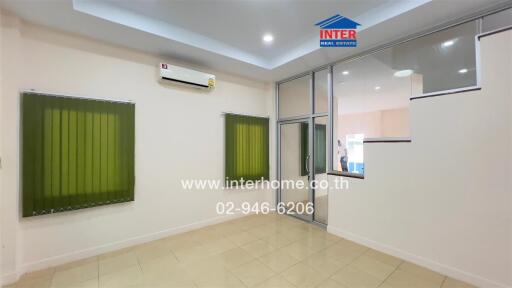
{"x": 432, "y": 265}
{"x": 94, "y": 251}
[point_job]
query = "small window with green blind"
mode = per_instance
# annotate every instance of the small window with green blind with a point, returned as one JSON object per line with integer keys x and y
{"x": 247, "y": 148}
{"x": 77, "y": 153}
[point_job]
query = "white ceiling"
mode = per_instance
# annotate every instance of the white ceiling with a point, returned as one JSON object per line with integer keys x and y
{"x": 225, "y": 35}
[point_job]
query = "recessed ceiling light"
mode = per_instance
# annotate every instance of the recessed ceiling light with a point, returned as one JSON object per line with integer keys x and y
{"x": 463, "y": 71}
{"x": 345, "y": 72}
{"x": 403, "y": 73}
{"x": 377, "y": 88}
{"x": 268, "y": 38}
{"x": 448, "y": 43}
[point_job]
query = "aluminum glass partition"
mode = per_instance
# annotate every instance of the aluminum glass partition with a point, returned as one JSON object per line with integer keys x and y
{"x": 371, "y": 94}
{"x": 367, "y": 95}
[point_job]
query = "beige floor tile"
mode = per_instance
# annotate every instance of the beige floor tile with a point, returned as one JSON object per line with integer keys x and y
{"x": 44, "y": 273}
{"x": 452, "y": 283}
{"x": 302, "y": 275}
{"x": 329, "y": 283}
{"x": 386, "y": 285}
{"x": 204, "y": 267}
{"x": 278, "y": 240}
{"x": 226, "y": 228}
{"x": 342, "y": 255}
{"x": 235, "y": 257}
{"x": 278, "y": 260}
{"x": 258, "y": 248}
{"x": 224, "y": 279}
{"x": 276, "y": 282}
{"x": 166, "y": 275}
{"x": 246, "y": 252}
{"x": 294, "y": 233}
{"x": 321, "y": 261}
{"x": 402, "y": 279}
{"x": 264, "y": 230}
{"x": 351, "y": 246}
{"x": 253, "y": 273}
{"x": 159, "y": 265}
{"x": 191, "y": 254}
{"x": 374, "y": 267}
{"x": 331, "y": 237}
{"x": 421, "y": 272}
{"x": 181, "y": 241}
{"x": 92, "y": 283}
{"x": 384, "y": 258}
{"x": 352, "y": 277}
{"x": 77, "y": 263}
{"x": 115, "y": 253}
{"x": 316, "y": 241}
{"x": 299, "y": 250}
{"x": 242, "y": 238}
{"x": 37, "y": 282}
{"x": 117, "y": 262}
{"x": 129, "y": 277}
{"x": 217, "y": 246}
{"x": 152, "y": 250}
{"x": 78, "y": 274}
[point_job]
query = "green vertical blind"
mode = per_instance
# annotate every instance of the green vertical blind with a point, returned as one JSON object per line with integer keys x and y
{"x": 77, "y": 153}
{"x": 319, "y": 147}
{"x": 247, "y": 147}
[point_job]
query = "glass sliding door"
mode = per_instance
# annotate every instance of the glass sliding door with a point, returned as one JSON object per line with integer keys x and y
{"x": 303, "y": 146}
{"x": 295, "y": 165}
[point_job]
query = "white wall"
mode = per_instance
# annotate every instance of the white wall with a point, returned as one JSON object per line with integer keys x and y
{"x": 445, "y": 200}
{"x": 179, "y": 135}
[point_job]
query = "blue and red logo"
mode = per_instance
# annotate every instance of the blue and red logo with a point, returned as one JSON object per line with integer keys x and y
{"x": 338, "y": 31}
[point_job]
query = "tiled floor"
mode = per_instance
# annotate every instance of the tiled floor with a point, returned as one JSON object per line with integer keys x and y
{"x": 254, "y": 251}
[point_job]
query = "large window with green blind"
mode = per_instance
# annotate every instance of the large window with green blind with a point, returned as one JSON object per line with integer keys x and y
{"x": 247, "y": 148}
{"x": 77, "y": 153}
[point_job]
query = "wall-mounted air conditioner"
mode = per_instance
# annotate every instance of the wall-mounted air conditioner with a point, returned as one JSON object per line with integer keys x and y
{"x": 185, "y": 76}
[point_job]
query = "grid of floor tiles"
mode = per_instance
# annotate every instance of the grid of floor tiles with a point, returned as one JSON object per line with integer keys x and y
{"x": 253, "y": 251}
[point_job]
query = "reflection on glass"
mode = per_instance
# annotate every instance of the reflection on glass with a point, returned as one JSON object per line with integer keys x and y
{"x": 354, "y": 160}
{"x": 321, "y": 91}
{"x": 294, "y": 97}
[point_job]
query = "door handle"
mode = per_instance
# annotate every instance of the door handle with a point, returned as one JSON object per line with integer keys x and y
{"x": 307, "y": 163}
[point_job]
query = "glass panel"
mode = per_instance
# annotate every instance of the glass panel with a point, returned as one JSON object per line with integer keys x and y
{"x": 497, "y": 20}
{"x": 294, "y": 97}
{"x": 295, "y": 196}
{"x": 321, "y": 91}
{"x": 371, "y": 94}
{"x": 441, "y": 61}
{"x": 321, "y": 191}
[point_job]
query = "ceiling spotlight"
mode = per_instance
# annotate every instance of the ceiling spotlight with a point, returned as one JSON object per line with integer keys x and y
{"x": 403, "y": 73}
{"x": 377, "y": 88}
{"x": 268, "y": 38}
{"x": 463, "y": 71}
{"x": 448, "y": 43}
{"x": 345, "y": 72}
